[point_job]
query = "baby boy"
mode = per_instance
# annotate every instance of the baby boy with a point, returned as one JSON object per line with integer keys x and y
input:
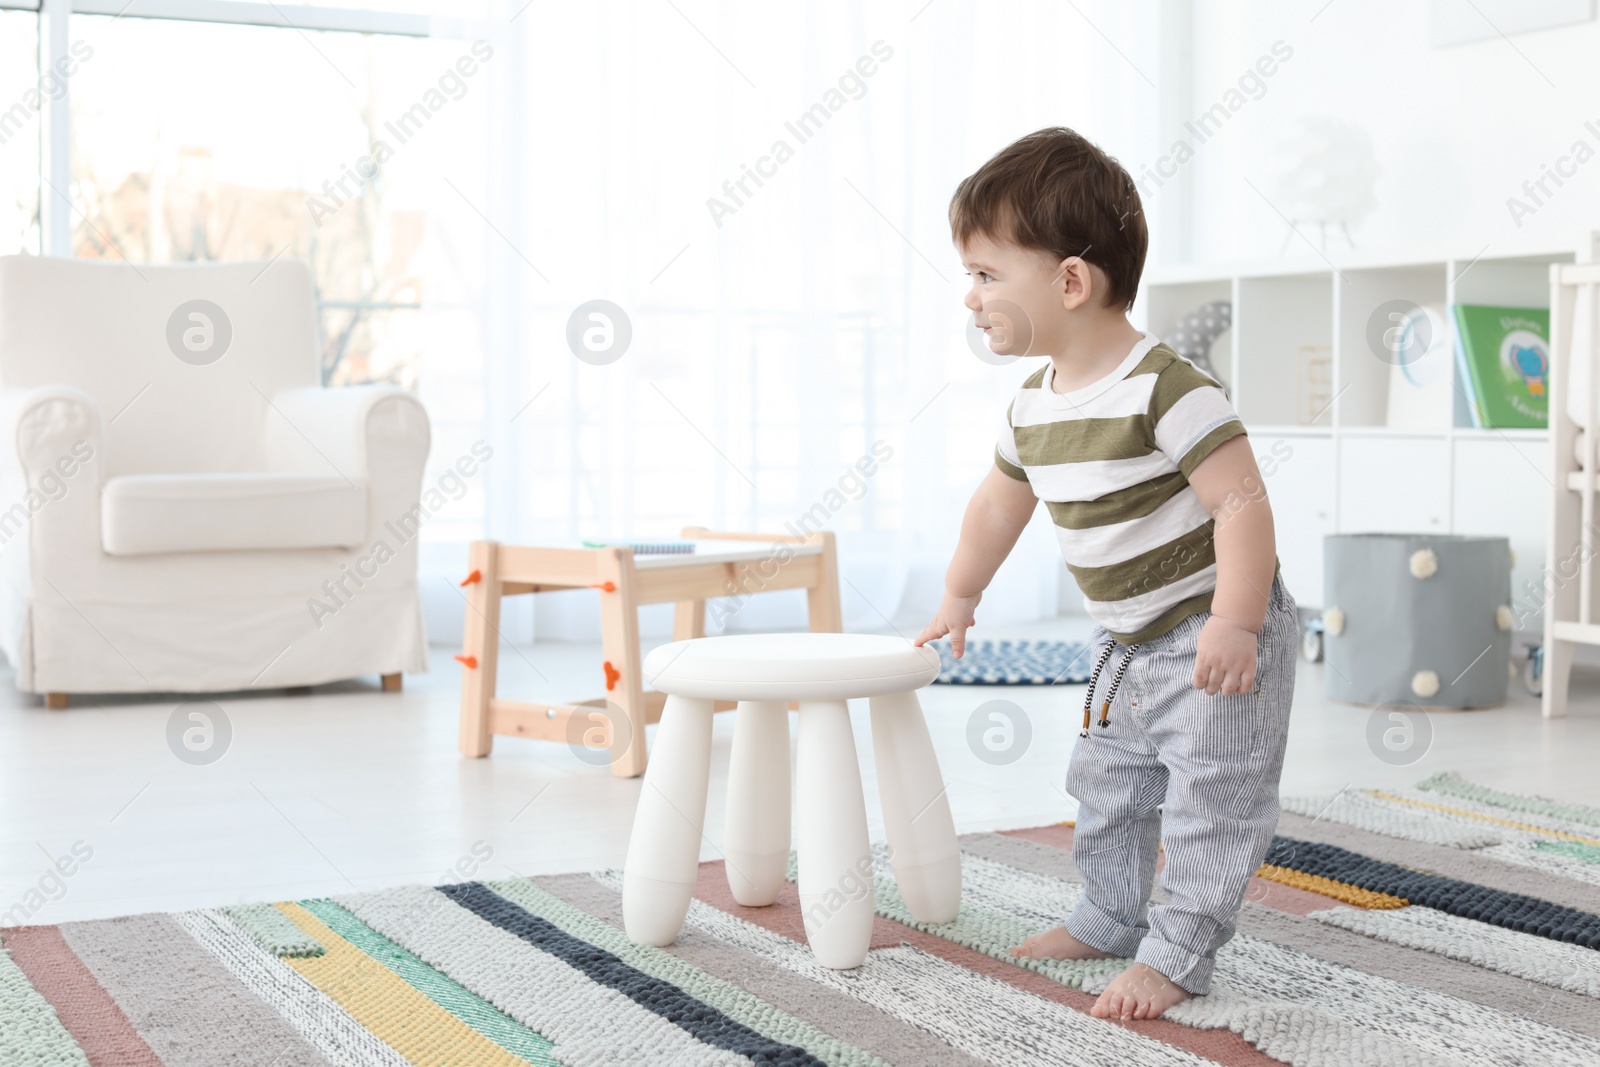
{"x": 1160, "y": 512}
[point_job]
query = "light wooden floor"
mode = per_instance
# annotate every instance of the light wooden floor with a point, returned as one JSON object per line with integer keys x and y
{"x": 354, "y": 788}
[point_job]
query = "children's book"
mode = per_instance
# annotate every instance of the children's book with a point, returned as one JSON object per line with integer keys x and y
{"x": 1504, "y": 354}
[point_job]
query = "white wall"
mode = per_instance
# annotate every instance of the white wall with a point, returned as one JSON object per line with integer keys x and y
{"x": 1456, "y": 131}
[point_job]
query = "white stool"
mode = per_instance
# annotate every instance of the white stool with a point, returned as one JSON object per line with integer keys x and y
{"x": 763, "y": 672}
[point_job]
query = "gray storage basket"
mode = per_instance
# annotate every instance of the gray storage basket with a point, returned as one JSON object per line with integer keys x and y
{"x": 1417, "y": 619}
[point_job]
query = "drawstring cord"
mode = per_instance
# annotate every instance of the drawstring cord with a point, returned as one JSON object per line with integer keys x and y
{"x": 1094, "y": 678}
{"x": 1088, "y": 698}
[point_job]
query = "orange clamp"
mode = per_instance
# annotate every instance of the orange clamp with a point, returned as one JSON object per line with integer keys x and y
{"x": 612, "y": 676}
{"x": 470, "y": 662}
{"x": 474, "y": 578}
{"x": 604, "y": 587}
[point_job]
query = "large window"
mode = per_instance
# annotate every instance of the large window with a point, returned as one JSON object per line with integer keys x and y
{"x": 194, "y": 140}
{"x": 189, "y": 143}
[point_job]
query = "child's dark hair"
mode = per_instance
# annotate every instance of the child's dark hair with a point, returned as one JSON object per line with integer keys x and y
{"x": 1056, "y": 192}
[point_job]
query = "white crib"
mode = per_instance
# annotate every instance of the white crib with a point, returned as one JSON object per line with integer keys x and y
{"x": 1572, "y": 540}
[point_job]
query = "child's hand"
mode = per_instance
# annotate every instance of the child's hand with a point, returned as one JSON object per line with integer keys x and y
{"x": 1225, "y": 658}
{"x": 954, "y": 617}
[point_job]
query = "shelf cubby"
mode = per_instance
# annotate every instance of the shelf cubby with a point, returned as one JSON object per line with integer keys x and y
{"x": 1338, "y": 467}
{"x": 1367, "y": 312}
{"x": 1166, "y": 304}
{"x": 1283, "y": 354}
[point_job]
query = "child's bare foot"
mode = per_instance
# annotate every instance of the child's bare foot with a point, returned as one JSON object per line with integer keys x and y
{"x": 1140, "y": 992}
{"x": 1057, "y": 944}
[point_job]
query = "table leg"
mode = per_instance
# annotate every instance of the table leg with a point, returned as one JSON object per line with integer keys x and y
{"x": 757, "y": 845}
{"x": 481, "y": 643}
{"x": 835, "y": 853}
{"x": 619, "y": 642}
{"x": 664, "y": 849}
{"x": 822, "y": 600}
{"x": 916, "y": 809}
{"x": 688, "y": 620}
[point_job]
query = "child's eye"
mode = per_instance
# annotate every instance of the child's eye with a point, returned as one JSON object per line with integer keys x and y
{"x": 982, "y": 275}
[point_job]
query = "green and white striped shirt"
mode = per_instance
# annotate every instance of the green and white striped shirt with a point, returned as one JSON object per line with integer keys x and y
{"x": 1112, "y": 463}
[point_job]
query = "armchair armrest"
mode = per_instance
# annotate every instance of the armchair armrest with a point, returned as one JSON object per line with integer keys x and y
{"x": 365, "y": 431}
{"x": 40, "y": 424}
{"x": 372, "y": 433}
{"x": 51, "y": 468}
{"x": 49, "y": 451}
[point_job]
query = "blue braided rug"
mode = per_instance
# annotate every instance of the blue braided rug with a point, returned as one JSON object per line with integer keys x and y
{"x": 1014, "y": 663}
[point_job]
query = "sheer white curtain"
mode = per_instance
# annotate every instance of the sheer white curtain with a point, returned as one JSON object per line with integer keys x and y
{"x": 762, "y": 189}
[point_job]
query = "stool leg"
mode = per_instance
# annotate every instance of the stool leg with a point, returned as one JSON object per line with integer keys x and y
{"x": 757, "y": 846}
{"x": 664, "y": 850}
{"x": 835, "y": 854}
{"x": 916, "y": 810}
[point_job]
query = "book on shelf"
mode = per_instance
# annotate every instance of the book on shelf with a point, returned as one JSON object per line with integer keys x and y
{"x": 1420, "y": 396}
{"x": 1503, "y": 357}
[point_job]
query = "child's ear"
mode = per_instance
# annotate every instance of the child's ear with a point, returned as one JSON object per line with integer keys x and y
{"x": 1075, "y": 282}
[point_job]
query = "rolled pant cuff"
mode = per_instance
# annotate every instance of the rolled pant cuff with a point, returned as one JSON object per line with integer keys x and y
{"x": 1094, "y": 927}
{"x": 1186, "y": 969}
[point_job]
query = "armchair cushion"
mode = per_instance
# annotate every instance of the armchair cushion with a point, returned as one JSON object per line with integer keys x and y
{"x": 149, "y": 513}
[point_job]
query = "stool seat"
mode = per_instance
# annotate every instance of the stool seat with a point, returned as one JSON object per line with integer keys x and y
{"x": 803, "y": 666}
{"x": 837, "y": 867}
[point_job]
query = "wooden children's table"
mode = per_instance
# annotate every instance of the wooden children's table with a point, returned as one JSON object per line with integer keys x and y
{"x": 722, "y": 565}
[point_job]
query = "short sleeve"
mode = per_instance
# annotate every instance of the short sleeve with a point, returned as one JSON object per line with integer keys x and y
{"x": 1191, "y": 415}
{"x": 1005, "y": 450}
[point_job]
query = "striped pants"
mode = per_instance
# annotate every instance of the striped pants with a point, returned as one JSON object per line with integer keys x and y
{"x": 1196, "y": 773}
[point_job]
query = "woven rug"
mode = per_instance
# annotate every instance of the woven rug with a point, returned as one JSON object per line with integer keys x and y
{"x": 1446, "y": 924}
{"x": 1014, "y": 663}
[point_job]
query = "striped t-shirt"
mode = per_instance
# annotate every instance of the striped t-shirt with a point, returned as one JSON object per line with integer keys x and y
{"x": 1112, "y": 463}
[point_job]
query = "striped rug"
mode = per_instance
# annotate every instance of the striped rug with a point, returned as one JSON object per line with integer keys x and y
{"x": 1446, "y": 924}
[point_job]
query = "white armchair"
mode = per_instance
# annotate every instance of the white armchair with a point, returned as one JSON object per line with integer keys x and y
{"x": 183, "y": 507}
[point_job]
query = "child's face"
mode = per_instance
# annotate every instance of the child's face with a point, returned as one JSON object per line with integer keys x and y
{"x": 1022, "y": 299}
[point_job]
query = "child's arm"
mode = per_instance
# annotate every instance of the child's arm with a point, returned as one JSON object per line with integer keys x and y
{"x": 995, "y": 517}
{"x": 1229, "y": 486}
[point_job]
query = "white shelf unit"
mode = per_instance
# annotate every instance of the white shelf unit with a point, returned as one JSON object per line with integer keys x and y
{"x": 1341, "y": 469}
